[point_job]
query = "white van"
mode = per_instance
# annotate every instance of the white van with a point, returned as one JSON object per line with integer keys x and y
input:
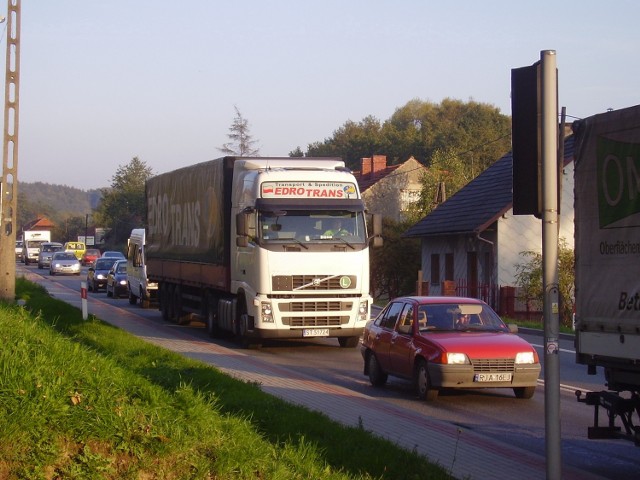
{"x": 139, "y": 287}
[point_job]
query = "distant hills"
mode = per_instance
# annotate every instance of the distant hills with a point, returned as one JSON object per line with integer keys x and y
{"x": 57, "y": 202}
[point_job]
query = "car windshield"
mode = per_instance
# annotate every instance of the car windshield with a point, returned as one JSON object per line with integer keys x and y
{"x": 311, "y": 226}
{"x": 65, "y": 256}
{"x": 459, "y": 316}
{"x": 105, "y": 264}
{"x": 121, "y": 268}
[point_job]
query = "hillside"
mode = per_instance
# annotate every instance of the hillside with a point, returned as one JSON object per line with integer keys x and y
{"x": 57, "y": 202}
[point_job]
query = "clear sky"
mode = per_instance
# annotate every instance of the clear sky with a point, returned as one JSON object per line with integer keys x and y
{"x": 102, "y": 81}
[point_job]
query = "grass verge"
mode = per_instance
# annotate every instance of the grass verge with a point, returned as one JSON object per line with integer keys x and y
{"x": 84, "y": 400}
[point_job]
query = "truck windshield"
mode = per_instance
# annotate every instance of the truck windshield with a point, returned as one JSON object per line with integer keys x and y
{"x": 312, "y": 226}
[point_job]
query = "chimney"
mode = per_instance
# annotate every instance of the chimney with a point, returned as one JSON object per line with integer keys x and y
{"x": 379, "y": 163}
{"x": 366, "y": 166}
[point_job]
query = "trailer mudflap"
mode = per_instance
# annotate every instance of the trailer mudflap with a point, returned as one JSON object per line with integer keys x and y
{"x": 615, "y": 406}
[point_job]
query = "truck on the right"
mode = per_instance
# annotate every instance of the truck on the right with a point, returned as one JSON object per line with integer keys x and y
{"x": 607, "y": 267}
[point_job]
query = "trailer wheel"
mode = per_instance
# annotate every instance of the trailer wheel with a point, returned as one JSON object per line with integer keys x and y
{"x": 176, "y": 304}
{"x": 163, "y": 295}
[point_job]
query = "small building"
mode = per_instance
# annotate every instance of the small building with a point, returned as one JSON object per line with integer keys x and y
{"x": 389, "y": 189}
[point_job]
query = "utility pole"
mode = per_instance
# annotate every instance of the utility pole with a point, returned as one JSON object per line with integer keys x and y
{"x": 9, "y": 186}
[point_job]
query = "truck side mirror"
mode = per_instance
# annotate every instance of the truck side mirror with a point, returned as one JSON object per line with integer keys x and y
{"x": 377, "y": 230}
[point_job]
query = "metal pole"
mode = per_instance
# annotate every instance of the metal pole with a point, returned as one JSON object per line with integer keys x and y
{"x": 9, "y": 180}
{"x": 550, "y": 217}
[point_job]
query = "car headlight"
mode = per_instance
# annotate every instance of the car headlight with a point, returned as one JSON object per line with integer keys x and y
{"x": 457, "y": 359}
{"x": 123, "y": 282}
{"x": 100, "y": 276}
{"x": 525, "y": 357}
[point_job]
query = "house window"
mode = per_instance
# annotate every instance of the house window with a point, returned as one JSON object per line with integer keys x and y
{"x": 435, "y": 269}
{"x": 408, "y": 197}
{"x": 448, "y": 266}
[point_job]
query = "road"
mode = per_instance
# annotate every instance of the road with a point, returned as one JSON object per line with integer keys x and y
{"x": 494, "y": 413}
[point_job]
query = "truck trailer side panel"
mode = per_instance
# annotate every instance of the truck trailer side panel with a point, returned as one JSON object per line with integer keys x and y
{"x": 188, "y": 219}
{"x": 607, "y": 262}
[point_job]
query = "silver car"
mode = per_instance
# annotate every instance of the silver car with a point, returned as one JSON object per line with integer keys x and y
{"x": 46, "y": 252}
{"x": 64, "y": 263}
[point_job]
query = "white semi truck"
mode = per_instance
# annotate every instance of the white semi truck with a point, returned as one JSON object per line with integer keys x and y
{"x": 251, "y": 247}
{"x": 607, "y": 255}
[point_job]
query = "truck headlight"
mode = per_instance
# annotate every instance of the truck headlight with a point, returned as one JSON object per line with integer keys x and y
{"x": 363, "y": 311}
{"x": 266, "y": 312}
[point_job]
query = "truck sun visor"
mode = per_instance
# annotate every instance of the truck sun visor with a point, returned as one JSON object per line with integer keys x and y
{"x": 352, "y": 205}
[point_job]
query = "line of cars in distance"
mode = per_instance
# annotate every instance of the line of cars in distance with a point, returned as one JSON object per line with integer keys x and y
{"x": 107, "y": 270}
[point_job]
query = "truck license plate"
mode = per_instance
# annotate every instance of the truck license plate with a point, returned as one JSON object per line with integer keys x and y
{"x": 315, "y": 332}
{"x": 493, "y": 377}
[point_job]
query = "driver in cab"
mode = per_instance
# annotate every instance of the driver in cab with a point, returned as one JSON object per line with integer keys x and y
{"x": 336, "y": 229}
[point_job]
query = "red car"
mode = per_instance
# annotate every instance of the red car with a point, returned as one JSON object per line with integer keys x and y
{"x": 448, "y": 342}
{"x": 89, "y": 256}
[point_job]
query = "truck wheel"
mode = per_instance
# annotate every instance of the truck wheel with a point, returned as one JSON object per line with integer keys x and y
{"x": 132, "y": 298}
{"x": 176, "y": 307}
{"x": 424, "y": 389}
{"x": 348, "y": 342}
{"x": 241, "y": 332}
{"x": 163, "y": 300}
{"x": 212, "y": 317}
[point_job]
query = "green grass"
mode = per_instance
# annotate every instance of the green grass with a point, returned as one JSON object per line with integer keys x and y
{"x": 85, "y": 400}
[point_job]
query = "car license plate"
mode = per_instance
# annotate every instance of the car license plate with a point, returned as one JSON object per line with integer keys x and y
{"x": 315, "y": 332}
{"x": 493, "y": 377}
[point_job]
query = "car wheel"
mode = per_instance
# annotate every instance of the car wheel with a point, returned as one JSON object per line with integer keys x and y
{"x": 376, "y": 376}
{"x": 348, "y": 342}
{"x": 424, "y": 388}
{"x": 524, "y": 392}
{"x": 132, "y": 298}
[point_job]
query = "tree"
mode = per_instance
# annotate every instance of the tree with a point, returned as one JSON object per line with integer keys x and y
{"x": 394, "y": 267}
{"x": 122, "y": 207}
{"x": 529, "y": 279}
{"x": 242, "y": 143}
{"x": 478, "y": 134}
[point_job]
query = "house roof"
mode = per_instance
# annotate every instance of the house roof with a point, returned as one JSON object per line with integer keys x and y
{"x": 40, "y": 223}
{"x": 477, "y": 205}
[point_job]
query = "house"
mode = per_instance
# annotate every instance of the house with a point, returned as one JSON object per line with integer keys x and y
{"x": 472, "y": 243}
{"x": 389, "y": 189}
